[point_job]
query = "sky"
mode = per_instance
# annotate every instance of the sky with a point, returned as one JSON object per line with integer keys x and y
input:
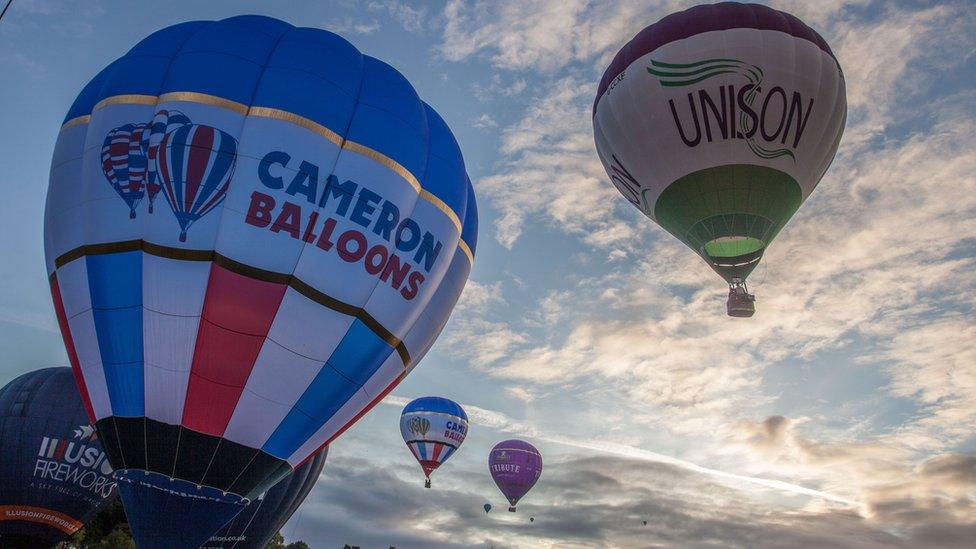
{"x": 841, "y": 415}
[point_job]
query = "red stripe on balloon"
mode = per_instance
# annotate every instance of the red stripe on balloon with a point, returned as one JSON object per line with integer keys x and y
{"x": 69, "y": 345}
{"x": 201, "y": 148}
{"x": 237, "y": 314}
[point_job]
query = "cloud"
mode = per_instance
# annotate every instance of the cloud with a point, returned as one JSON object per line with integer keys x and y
{"x": 484, "y": 121}
{"x": 350, "y": 26}
{"x": 540, "y": 36}
{"x": 412, "y": 19}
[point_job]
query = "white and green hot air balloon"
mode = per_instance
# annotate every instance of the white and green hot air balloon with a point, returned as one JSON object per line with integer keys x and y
{"x": 718, "y": 122}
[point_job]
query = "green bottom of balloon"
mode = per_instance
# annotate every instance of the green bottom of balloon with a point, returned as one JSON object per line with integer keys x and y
{"x": 729, "y": 214}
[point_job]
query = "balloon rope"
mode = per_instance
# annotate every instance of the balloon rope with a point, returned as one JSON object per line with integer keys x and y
{"x": 5, "y": 9}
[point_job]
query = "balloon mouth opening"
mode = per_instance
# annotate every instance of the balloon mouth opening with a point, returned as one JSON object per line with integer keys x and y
{"x": 729, "y": 247}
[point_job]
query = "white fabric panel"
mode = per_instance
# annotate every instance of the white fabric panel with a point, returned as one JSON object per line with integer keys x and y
{"x": 324, "y": 269}
{"x": 391, "y": 369}
{"x": 344, "y": 415}
{"x": 82, "y": 329}
{"x": 174, "y": 287}
{"x": 387, "y": 305}
{"x": 277, "y": 381}
{"x": 73, "y": 285}
{"x": 168, "y": 343}
{"x": 308, "y": 328}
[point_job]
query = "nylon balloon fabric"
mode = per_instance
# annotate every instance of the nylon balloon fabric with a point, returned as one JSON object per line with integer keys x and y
{"x": 515, "y": 466}
{"x": 54, "y": 475}
{"x": 254, "y": 527}
{"x": 717, "y": 122}
{"x": 433, "y": 428}
{"x": 304, "y": 229}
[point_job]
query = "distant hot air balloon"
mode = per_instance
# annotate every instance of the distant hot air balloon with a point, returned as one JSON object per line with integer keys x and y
{"x": 162, "y": 123}
{"x": 433, "y": 428}
{"x": 531, "y": 519}
{"x": 54, "y": 475}
{"x": 515, "y": 466}
{"x": 645, "y": 522}
{"x": 254, "y": 527}
{"x": 717, "y": 123}
{"x": 124, "y": 164}
{"x": 487, "y": 507}
{"x": 329, "y": 229}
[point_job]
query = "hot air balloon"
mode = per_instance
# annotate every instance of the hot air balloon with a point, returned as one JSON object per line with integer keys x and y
{"x": 124, "y": 164}
{"x": 531, "y": 519}
{"x": 487, "y": 507}
{"x": 54, "y": 475}
{"x": 263, "y": 517}
{"x": 162, "y": 123}
{"x": 645, "y": 522}
{"x": 316, "y": 269}
{"x": 433, "y": 428}
{"x": 717, "y": 122}
{"x": 515, "y": 466}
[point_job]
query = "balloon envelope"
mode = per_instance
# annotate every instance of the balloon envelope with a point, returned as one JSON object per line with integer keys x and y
{"x": 515, "y": 466}
{"x": 433, "y": 428}
{"x": 718, "y": 122}
{"x": 54, "y": 475}
{"x": 253, "y": 527}
{"x": 487, "y": 507}
{"x": 319, "y": 227}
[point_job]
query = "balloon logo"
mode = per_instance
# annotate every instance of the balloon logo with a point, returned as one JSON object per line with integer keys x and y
{"x": 433, "y": 428}
{"x": 195, "y": 165}
{"x": 124, "y": 164}
{"x": 708, "y": 123}
{"x": 162, "y": 123}
{"x": 54, "y": 474}
{"x": 326, "y": 228}
{"x": 418, "y": 425}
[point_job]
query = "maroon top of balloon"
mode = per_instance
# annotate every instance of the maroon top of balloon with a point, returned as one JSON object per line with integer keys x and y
{"x": 515, "y": 465}
{"x": 705, "y": 18}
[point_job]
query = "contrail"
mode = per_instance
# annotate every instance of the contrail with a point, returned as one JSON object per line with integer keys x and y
{"x": 502, "y": 422}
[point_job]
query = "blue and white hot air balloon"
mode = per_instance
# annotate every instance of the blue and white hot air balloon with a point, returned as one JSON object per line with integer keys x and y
{"x": 321, "y": 227}
{"x": 433, "y": 428}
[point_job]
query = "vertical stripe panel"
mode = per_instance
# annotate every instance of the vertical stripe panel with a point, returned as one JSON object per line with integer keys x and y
{"x": 237, "y": 314}
{"x": 115, "y": 282}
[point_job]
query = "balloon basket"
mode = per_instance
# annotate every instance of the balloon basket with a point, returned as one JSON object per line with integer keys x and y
{"x": 132, "y": 214}
{"x": 741, "y": 304}
{"x": 427, "y": 483}
{"x": 182, "y": 237}
{"x": 511, "y": 509}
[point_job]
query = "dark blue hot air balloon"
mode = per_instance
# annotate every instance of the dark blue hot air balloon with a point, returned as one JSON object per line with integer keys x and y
{"x": 54, "y": 475}
{"x": 258, "y": 522}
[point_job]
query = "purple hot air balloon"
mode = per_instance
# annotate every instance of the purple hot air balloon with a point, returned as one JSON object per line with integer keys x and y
{"x": 515, "y": 466}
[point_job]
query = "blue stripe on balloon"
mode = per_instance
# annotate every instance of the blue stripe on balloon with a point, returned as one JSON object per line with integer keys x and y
{"x": 115, "y": 285}
{"x": 360, "y": 353}
{"x": 390, "y": 117}
{"x": 445, "y": 166}
{"x": 422, "y": 447}
{"x": 323, "y": 397}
